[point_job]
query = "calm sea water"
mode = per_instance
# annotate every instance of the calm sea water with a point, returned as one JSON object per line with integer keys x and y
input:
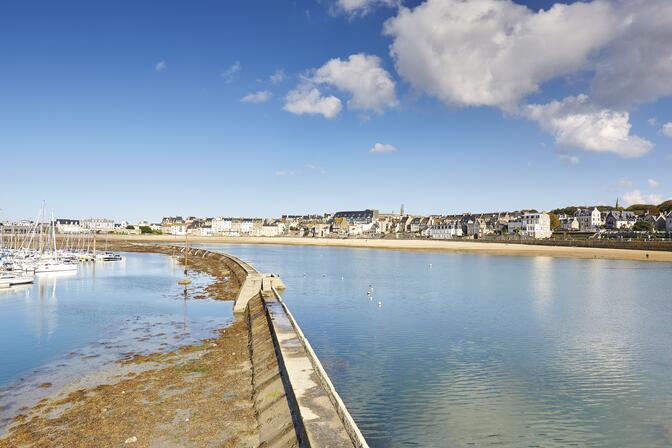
{"x": 66, "y": 324}
{"x": 472, "y": 350}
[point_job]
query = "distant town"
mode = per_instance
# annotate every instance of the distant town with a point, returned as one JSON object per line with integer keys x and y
{"x": 649, "y": 221}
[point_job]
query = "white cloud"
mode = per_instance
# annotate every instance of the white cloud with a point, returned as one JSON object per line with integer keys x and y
{"x": 361, "y": 76}
{"x": 160, "y": 66}
{"x": 652, "y": 121}
{"x": 637, "y": 65}
{"x": 257, "y": 97}
{"x": 382, "y": 147}
{"x": 667, "y": 129}
{"x": 494, "y": 52}
{"x": 230, "y": 72}
{"x": 576, "y": 123}
{"x": 278, "y": 76}
{"x": 361, "y": 6}
{"x": 369, "y": 85}
{"x": 280, "y": 173}
{"x": 637, "y": 197}
{"x": 653, "y": 183}
{"x": 572, "y": 160}
{"x": 307, "y": 99}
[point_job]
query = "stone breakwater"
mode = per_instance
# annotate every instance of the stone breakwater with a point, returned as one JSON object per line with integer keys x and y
{"x": 259, "y": 384}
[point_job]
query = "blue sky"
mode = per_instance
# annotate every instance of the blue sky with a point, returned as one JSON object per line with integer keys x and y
{"x": 134, "y": 110}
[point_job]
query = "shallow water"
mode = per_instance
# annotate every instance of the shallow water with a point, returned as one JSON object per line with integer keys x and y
{"x": 474, "y": 350}
{"x": 67, "y": 324}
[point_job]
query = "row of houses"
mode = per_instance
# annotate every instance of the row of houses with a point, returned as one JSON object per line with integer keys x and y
{"x": 591, "y": 220}
{"x": 372, "y": 223}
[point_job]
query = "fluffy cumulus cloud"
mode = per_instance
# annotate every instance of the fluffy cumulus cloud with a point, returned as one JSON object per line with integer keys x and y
{"x": 360, "y": 6}
{"x": 307, "y": 99}
{"x": 494, "y": 52}
{"x": 577, "y": 123}
{"x": 257, "y": 97}
{"x": 369, "y": 86}
{"x": 637, "y": 197}
{"x": 382, "y": 147}
{"x": 653, "y": 183}
{"x": 667, "y": 129}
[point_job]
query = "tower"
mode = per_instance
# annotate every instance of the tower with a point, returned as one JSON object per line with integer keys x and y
{"x": 616, "y": 202}
{"x": 401, "y": 211}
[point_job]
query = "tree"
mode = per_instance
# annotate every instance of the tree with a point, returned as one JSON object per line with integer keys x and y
{"x": 555, "y": 221}
{"x": 643, "y": 226}
{"x": 666, "y": 206}
{"x": 146, "y": 229}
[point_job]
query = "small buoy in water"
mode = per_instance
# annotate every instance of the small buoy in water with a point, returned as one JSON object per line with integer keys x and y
{"x": 324, "y": 275}
{"x": 380, "y": 304}
{"x": 342, "y": 278}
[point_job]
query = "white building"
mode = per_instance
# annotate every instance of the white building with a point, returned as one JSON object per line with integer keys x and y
{"x": 589, "y": 220}
{"x": 97, "y": 224}
{"x": 570, "y": 223}
{"x": 222, "y": 226}
{"x": 535, "y": 225}
{"x": 446, "y": 231}
{"x": 68, "y": 226}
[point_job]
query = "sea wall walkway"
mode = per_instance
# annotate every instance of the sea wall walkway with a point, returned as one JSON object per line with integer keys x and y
{"x": 294, "y": 397}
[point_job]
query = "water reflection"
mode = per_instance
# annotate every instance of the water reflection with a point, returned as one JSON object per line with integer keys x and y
{"x": 480, "y": 351}
{"x": 69, "y": 323}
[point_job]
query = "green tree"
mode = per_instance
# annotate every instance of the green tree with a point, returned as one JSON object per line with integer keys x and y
{"x": 643, "y": 226}
{"x": 555, "y": 221}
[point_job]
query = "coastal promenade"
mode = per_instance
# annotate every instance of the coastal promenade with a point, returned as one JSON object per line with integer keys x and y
{"x": 472, "y": 247}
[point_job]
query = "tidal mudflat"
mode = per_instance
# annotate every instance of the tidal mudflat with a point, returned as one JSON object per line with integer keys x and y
{"x": 170, "y": 370}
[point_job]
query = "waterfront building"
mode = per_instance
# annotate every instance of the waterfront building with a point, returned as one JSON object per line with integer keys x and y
{"x": 617, "y": 219}
{"x": 668, "y": 221}
{"x": 445, "y": 231}
{"x": 477, "y": 227}
{"x": 570, "y": 223}
{"x": 97, "y": 224}
{"x": 589, "y": 220}
{"x": 535, "y": 225}
{"x": 222, "y": 226}
{"x": 358, "y": 216}
{"x": 68, "y": 226}
{"x": 657, "y": 221}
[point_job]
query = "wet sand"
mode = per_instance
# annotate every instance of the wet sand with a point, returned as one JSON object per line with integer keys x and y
{"x": 199, "y": 395}
{"x": 472, "y": 247}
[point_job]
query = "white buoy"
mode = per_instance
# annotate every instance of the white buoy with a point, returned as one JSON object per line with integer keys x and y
{"x": 342, "y": 278}
{"x": 380, "y": 304}
{"x": 430, "y": 265}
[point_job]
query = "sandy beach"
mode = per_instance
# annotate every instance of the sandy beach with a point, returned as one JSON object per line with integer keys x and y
{"x": 422, "y": 245}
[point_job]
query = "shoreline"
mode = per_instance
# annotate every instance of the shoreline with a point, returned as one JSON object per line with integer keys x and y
{"x": 467, "y": 247}
{"x": 166, "y": 398}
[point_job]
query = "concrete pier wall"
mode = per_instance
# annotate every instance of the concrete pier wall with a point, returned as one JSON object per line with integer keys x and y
{"x": 296, "y": 403}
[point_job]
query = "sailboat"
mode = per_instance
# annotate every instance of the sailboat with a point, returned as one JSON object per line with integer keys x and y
{"x": 51, "y": 260}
